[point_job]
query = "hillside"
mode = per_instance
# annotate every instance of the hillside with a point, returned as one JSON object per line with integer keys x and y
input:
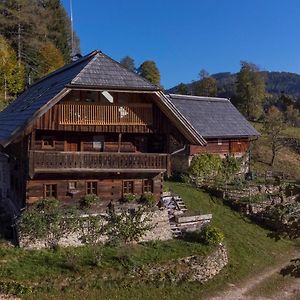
{"x": 276, "y": 83}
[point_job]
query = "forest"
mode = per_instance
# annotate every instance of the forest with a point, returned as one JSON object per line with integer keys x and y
{"x": 35, "y": 39}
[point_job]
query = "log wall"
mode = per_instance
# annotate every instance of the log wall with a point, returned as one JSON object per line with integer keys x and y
{"x": 109, "y": 188}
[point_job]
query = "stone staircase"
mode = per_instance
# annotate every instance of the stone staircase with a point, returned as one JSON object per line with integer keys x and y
{"x": 178, "y": 222}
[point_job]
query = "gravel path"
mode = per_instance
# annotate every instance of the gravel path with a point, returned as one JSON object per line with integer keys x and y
{"x": 241, "y": 292}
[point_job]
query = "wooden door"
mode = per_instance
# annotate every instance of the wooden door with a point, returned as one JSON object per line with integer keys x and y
{"x": 72, "y": 146}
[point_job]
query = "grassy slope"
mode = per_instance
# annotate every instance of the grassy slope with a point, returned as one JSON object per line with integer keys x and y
{"x": 287, "y": 160}
{"x": 249, "y": 247}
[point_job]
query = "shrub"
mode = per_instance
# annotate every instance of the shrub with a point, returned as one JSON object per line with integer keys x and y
{"x": 14, "y": 288}
{"x": 205, "y": 166}
{"x": 211, "y": 235}
{"x": 148, "y": 198}
{"x": 230, "y": 167}
{"x": 88, "y": 200}
{"x": 129, "y": 197}
{"x": 47, "y": 221}
{"x": 180, "y": 177}
{"x": 127, "y": 226}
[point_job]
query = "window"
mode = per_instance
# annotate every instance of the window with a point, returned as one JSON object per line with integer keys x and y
{"x": 128, "y": 186}
{"x": 91, "y": 187}
{"x": 219, "y": 142}
{"x": 48, "y": 143}
{"x": 148, "y": 186}
{"x": 72, "y": 185}
{"x": 50, "y": 190}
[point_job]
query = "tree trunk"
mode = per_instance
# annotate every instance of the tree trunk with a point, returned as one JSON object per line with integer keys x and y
{"x": 273, "y": 155}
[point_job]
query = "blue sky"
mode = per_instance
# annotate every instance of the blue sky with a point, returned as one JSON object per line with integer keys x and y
{"x": 185, "y": 36}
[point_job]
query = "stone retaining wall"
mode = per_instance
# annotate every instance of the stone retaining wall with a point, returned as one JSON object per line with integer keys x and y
{"x": 161, "y": 231}
{"x": 192, "y": 268}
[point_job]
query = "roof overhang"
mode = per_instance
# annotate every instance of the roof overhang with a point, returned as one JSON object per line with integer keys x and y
{"x": 26, "y": 127}
{"x": 177, "y": 118}
{"x": 161, "y": 100}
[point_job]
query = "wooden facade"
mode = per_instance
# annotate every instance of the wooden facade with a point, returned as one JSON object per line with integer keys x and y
{"x": 80, "y": 146}
{"x": 93, "y": 127}
{"x": 222, "y": 146}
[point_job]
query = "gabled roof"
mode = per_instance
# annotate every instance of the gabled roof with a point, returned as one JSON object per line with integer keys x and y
{"x": 213, "y": 117}
{"x": 95, "y": 70}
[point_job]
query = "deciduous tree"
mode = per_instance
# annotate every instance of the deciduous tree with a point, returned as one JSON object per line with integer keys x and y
{"x": 251, "y": 90}
{"x": 11, "y": 72}
{"x": 149, "y": 71}
{"x": 50, "y": 59}
{"x": 274, "y": 124}
{"x": 206, "y": 87}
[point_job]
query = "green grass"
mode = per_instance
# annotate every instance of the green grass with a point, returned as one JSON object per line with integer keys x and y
{"x": 58, "y": 277}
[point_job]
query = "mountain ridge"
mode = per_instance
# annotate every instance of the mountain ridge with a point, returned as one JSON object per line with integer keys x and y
{"x": 277, "y": 82}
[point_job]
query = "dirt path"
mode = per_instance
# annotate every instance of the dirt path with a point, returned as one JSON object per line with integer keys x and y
{"x": 284, "y": 290}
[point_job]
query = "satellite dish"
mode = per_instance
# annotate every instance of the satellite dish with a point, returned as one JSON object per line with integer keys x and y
{"x": 108, "y": 96}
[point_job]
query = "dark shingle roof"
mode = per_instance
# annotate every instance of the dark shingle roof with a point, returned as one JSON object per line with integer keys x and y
{"x": 103, "y": 71}
{"x": 94, "y": 70}
{"x": 213, "y": 117}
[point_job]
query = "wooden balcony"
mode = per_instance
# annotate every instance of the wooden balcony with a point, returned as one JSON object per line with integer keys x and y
{"x": 92, "y": 114}
{"x": 74, "y": 162}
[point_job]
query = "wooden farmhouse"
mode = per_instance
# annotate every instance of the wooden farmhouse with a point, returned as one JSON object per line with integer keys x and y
{"x": 93, "y": 127}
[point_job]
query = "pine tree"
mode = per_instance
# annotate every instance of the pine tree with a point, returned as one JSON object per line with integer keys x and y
{"x": 182, "y": 89}
{"x": 59, "y": 28}
{"x": 128, "y": 63}
{"x": 29, "y": 24}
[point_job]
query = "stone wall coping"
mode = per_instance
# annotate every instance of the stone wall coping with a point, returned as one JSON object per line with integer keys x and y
{"x": 191, "y": 219}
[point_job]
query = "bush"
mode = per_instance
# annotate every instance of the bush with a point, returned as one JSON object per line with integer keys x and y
{"x": 14, "y": 288}
{"x": 88, "y": 200}
{"x": 127, "y": 226}
{"x": 230, "y": 167}
{"x": 129, "y": 197}
{"x": 206, "y": 166}
{"x": 180, "y": 177}
{"x": 47, "y": 221}
{"x": 211, "y": 235}
{"x": 148, "y": 198}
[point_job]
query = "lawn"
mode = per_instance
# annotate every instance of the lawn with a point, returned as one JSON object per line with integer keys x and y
{"x": 72, "y": 273}
{"x": 287, "y": 160}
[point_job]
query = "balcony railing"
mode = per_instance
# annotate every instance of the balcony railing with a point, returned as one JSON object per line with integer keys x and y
{"x": 92, "y": 114}
{"x": 52, "y": 162}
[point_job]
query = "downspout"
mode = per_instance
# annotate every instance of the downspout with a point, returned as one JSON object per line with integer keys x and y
{"x": 179, "y": 150}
